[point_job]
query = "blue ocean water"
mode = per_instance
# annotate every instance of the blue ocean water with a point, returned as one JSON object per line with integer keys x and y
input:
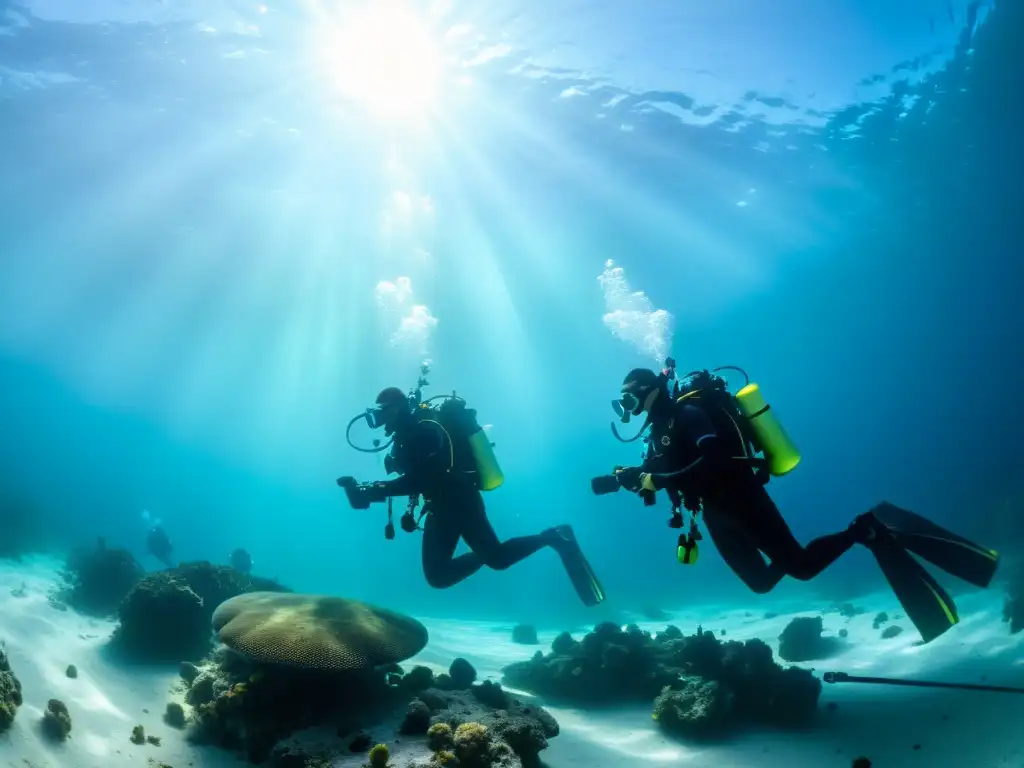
{"x": 227, "y": 225}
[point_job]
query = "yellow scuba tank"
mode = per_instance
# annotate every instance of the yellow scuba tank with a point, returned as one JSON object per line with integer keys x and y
{"x": 782, "y": 455}
{"x": 460, "y": 422}
{"x": 487, "y": 466}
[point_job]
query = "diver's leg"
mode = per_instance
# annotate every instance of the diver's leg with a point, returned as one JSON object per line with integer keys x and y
{"x": 478, "y": 533}
{"x": 441, "y": 533}
{"x": 754, "y": 511}
{"x": 499, "y": 555}
{"x": 740, "y": 552}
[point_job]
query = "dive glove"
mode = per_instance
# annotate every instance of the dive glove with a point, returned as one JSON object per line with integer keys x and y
{"x": 630, "y": 478}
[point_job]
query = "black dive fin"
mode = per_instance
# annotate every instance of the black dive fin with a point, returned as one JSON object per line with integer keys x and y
{"x": 954, "y": 554}
{"x": 576, "y": 566}
{"x": 926, "y": 603}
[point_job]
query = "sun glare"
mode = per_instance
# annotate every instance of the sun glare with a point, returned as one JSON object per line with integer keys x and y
{"x": 383, "y": 56}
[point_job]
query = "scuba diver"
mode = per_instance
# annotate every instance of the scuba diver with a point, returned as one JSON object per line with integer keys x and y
{"x": 703, "y": 452}
{"x": 159, "y": 546}
{"x": 442, "y": 455}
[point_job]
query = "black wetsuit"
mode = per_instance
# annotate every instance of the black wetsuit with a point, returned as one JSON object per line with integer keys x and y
{"x": 692, "y": 451}
{"x": 424, "y": 456}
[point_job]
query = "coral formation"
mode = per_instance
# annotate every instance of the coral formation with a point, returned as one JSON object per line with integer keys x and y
{"x": 188, "y": 671}
{"x": 98, "y": 579}
{"x": 440, "y": 736}
{"x": 174, "y": 715}
{"x": 166, "y": 616}
{"x": 523, "y": 728}
{"x": 417, "y": 679}
{"x": 294, "y": 756}
{"x": 524, "y": 634}
{"x": 293, "y": 660}
{"x": 56, "y": 720}
{"x": 316, "y": 632}
{"x": 703, "y": 685}
{"x": 138, "y": 735}
{"x": 475, "y": 747}
{"x": 891, "y": 631}
{"x": 379, "y": 755}
{"x": 700, "y": 709}
{"x": 71, "y": 671}
{"x": 417, "y": 718}
{"x": 880, "y": 618}
{"x": 250, "y": 706}
{"x": 10, "y": 692}
{"x": 849, "y": 610}
{"x": 801, "y": 640}
{"x": 461, "y": 674}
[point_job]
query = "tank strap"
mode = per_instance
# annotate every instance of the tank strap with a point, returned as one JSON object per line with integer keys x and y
{"x": 754, "y": 415}
{"x": 743, "y": 438}
{"x": 448, "y": 437}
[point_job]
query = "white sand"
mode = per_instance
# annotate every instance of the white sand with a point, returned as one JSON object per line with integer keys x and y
{"x": 954, "y": 728}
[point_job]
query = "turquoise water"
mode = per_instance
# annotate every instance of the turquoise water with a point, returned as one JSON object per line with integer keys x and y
{"x": 226, "y": 226}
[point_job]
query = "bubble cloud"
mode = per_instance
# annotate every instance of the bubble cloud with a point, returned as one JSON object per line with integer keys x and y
{"x": 631, "y": 316}
{"x": 414, "y": 322}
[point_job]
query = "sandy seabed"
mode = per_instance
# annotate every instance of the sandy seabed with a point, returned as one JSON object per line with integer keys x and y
{"x": 894, "y": 727}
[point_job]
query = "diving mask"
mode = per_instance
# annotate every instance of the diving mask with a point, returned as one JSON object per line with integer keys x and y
{"x": 627, "y": 405}
{"x": 375, "y": 417}
{"x": 382, "y": 416}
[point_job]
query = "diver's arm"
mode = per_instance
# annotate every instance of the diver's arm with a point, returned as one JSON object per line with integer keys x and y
{"x": 403, "y": 485}
{"x": 692, "y": 427}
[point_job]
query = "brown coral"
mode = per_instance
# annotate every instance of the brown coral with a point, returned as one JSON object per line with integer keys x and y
{"x": 316, "y": 632}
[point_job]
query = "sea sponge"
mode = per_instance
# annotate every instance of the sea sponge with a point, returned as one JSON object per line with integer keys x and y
{"x": 174, "y": 716}
{"x": 99, "y": 579}
{"x": 418, "y": 678}
{"x": 698, "y": 710}
{"x": 56, "y": 720}
{"x": 461, "y": 673}
{"x": 801, "y": 640}
{"x": 379, "y": 756}
{"x": 439, "y": 737}
{"x": 417, "y": 718}
{"x": 473, "y": 745}
{"x": 316, "y": 632}
{"x": 188, "y": 671}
